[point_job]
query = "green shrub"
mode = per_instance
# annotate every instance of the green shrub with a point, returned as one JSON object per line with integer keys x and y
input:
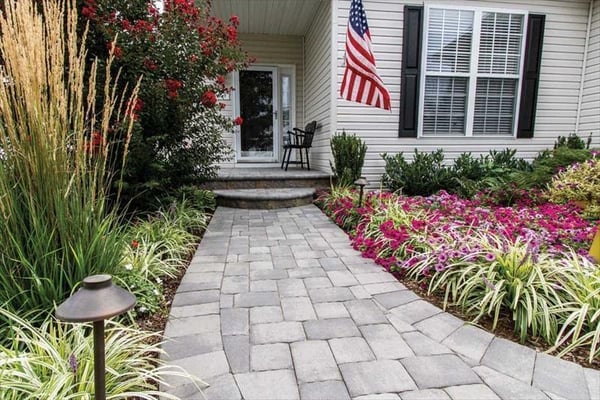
{"x": 348, "y": 153}
{"x": 579, "y": 182}
{"x": 424, "y": 176}
{"x": 56, "y": 226}
{"x": 573, "y": 142}
{"x": 55, "y": 361}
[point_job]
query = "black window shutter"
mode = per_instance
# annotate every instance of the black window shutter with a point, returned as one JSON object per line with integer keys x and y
{"x": 411, "y": 66}
{"x": 531, "y": 75}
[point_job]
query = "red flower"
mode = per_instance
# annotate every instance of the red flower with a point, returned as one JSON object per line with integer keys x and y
{"x": 173, "y": 86}
{"x": 116, "y": 50}
{"x": 151, "y": 65}
{"x": 238, "y": 120}
{"x": 95, "y": 143}
{"x": 235, "y": 21}
{"x": 221, "y": 80}
{"x": 193, "y": 58}
{"x": 209, "y": 98}
{"x": 135, "y": 244}
{"x": 89, "y": 12}
{"x": 231, "y": 33}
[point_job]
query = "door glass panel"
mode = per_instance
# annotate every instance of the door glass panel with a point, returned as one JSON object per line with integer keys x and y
{"x": 256, "y": 108}
{"x": 286, "y": 104}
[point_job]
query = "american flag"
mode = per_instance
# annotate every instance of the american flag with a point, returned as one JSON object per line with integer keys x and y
{"x": 361, "y": 82}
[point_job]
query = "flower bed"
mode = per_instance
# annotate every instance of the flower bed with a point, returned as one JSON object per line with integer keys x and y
{"x": 528, "y": 261}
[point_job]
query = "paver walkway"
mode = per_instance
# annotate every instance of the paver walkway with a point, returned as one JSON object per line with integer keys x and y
{"x": 277, "y": 305}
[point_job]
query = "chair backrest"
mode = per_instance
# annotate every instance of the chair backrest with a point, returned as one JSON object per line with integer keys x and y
{"x": 309, "y": 132}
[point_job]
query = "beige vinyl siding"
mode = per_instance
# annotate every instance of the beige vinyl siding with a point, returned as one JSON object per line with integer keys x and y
{"x": 272, "y": 50}
{"x": 562, "y": 60}
{"x": 590, "y": 105}
{"x": 318, "y": 84}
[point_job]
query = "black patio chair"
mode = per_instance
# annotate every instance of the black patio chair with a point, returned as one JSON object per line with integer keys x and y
{"x": 300, "y": 139}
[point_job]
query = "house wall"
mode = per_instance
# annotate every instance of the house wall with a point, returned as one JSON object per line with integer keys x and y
{"x": 319, "y": 84}
{"x": 272, "y": 50}
{"x": 590, "y": 105}
{"x": 560, "y": 79}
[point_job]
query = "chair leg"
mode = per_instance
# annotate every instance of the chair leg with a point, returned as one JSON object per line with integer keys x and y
{"x": 307, "y": 160}
{"x": 283, "y": 158}
{"x": 301, "y": 160}
{"x": 287, "y": 162}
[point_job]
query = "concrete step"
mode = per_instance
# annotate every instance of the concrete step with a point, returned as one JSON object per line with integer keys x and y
{"x": 269, "y": 178}
{"x": 264, "y": 198}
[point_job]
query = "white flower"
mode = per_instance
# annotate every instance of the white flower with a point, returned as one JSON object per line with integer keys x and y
{"x": 128, "y": 267}
{"x": 142, "y": 309}
{"x": 156, "y": 292}
{"x": 158, "y": 280}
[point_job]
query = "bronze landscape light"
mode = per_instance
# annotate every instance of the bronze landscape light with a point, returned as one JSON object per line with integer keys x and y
{"x": 361, "y": 182}
{"x": 98, "y": 299}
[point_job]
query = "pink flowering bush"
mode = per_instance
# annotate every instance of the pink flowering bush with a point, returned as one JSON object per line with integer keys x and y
{"x": 487, "y": 259}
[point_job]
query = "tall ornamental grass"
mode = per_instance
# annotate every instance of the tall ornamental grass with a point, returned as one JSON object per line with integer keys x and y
{"x": 56, "y": 142}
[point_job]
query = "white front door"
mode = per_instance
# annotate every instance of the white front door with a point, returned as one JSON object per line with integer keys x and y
{"x": 258, "y": 104}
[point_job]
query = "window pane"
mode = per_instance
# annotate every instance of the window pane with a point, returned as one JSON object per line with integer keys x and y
{"x": 500, "y": 45}
{"x": 449, "y": 40}
{"x": 445, "y": 105}
{"x": 495, "y": 102}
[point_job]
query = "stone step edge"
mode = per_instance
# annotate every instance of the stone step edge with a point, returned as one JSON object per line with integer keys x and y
{"x": 264, "y": 194}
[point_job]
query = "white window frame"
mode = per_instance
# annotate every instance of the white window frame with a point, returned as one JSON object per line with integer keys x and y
{"x": 473, "y": 74}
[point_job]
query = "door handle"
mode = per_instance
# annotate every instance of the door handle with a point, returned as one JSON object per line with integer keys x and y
{"x": 275, "y": 114}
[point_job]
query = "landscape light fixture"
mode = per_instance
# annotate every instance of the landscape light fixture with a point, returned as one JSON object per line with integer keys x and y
{"x": 97, "y": 299}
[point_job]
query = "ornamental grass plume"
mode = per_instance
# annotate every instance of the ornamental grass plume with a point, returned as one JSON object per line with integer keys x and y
{"x": 57, "y": 142}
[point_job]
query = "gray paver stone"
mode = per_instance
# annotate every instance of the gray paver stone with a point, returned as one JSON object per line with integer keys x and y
{"x": 193, "y": 298}
{"x": 558, "y": 376}
{"x": 286, "y": 262}
{"x": 203, "y": 366}
{"x": 469, "y": 341}
{"x": 235, "y": 284}
{"x": 507, "y": 387}
{"x": 195, "y": 310}
{"x": 342, "y": 278}
{"x": 390, "y": 300}
{"x": 439, "y": 371}
{"x": 297, "y": 309}
{"x": 308, "y": 263}
{"x": 325, "y": 295}
{"x": 351, "y": 349}
{"x": 379, "y": 396}
{"x": 426, "y": 394}
{"x": 424, "y": 346}
{"x": 200, "y": 281}
{"x": 291, "y": 288}
{"x": 262, "y": 315}
{"x": 266, "y": 357}
{"x": 415, "y": 311}
{"x": 234, "y": 321}
{"x": 226, "y": 301}
{"x": 359, "y": 292}
{"x": 385, "y": 287}
{"x": 399, "y": 324}
{"x": 370, "y": 377}
{"x": 317, "y": 283}
{"x": 386, "y": 342}
{"x": 186, "y": 346}
{"x": 510, "y": 358}
{"x": 375, "y": 277}
{"x": 314, "y": 362}
{"x": 221, "y": 388}
{"x": 439, "y": 326}
{"x": 593, "y": 379}
{"x": 471, "y": 392}
{"x": 256, "y": 299}
{"x": 237, "y": 268}
{"x": 330, "y": 328}
{"x": 306, "y": 272}
{"x": 365, "y": 312}
{"x": 331, "y": 310}
{"x": 237, "y": 349}
{"x": 332, "y": 263}
{"x": 277, "y": 332}
{"x": 269, "y": 274}
{"x": 327, "y": 390}
{"x": 268, "y": 385}
{"x": 266, "y": 285}
{"x": 192, "y": 325}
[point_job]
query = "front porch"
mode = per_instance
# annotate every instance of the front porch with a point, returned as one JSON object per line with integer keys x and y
{"x": 274, "y": 94}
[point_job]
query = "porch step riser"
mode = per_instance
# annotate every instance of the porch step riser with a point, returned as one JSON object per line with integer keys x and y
{"x": 268, "y": 184}
{"x": 263, "y": 204}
